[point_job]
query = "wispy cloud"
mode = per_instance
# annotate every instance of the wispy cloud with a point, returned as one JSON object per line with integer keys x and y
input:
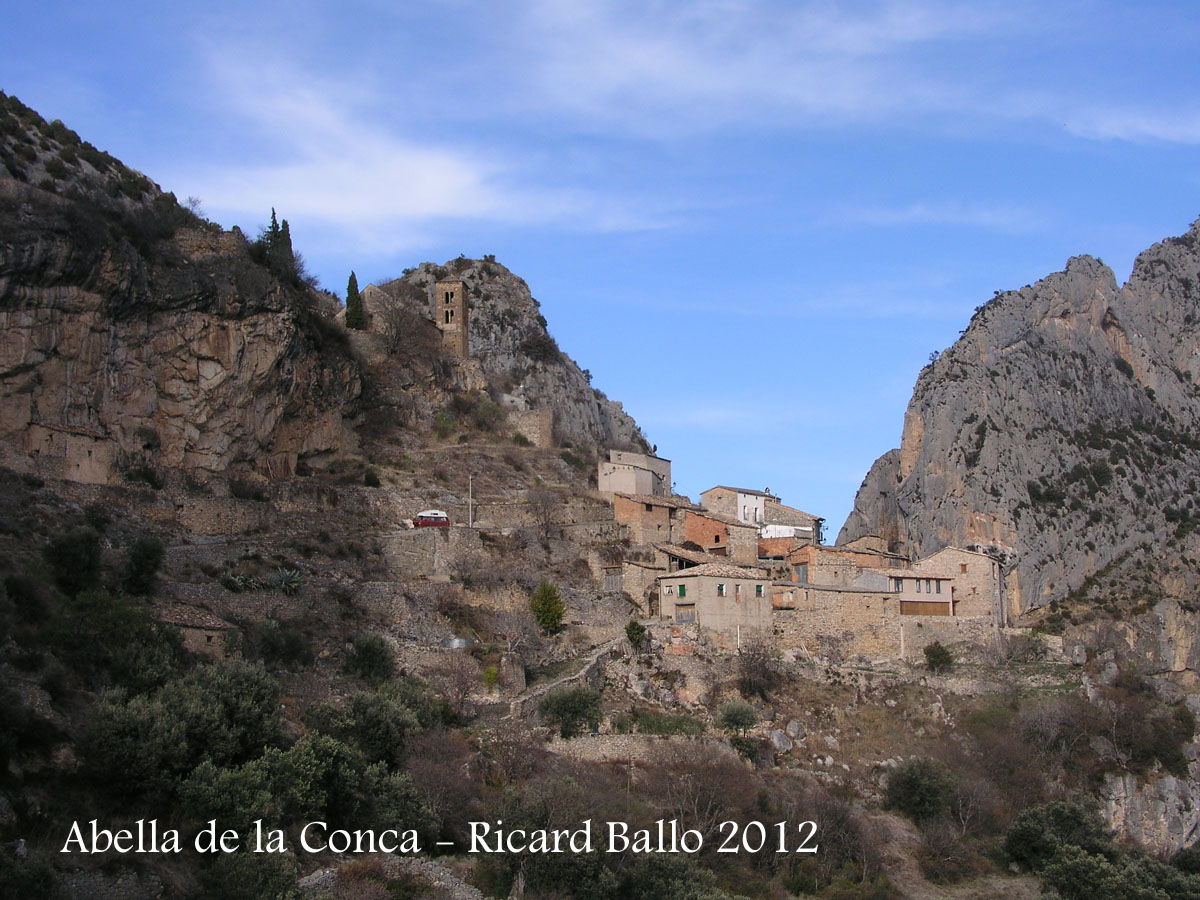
{"x": 324, "y": 154}
{"x": 1128, "y": 124}
{"x": 656, "y": 66}
{"x": 1004, "y": 218}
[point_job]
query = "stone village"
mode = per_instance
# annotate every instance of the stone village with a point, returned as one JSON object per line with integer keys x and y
{"x": 741, "y": 564}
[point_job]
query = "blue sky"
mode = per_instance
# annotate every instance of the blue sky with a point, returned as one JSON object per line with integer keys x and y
{"x": 752, "y": 221}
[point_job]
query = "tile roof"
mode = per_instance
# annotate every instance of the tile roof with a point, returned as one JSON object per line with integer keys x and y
{"x": 697, "y": 556}
{"x": 739, "y": 490}
{"x": 724, "y": 519}
{"x": 673, "y": 502}
{"x": 718, "y": 570}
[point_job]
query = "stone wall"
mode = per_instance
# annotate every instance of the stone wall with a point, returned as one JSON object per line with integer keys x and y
{"x": 631, "y": 747}
{"x": 918, "y": 632}
{"x": 836, "y": 624}
{"x": 535, "y": 424}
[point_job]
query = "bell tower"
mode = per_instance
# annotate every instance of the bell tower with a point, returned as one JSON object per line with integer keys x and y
{"x": 450, "y": 314}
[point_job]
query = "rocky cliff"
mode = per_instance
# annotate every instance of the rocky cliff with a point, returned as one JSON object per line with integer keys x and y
{"x": 1060, "y": 430}
{"x": 135, "y": 337}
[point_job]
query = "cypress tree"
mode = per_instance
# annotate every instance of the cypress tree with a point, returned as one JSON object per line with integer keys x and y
{"x": 356, "y": 316}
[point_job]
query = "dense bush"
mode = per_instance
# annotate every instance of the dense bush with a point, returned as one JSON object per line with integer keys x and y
{"x": 920, "y": 788}
{"x": 113, "y": 640}
{"x": 278, "y": 643}
{"x": 370, "y": 657}
{"x": 635, "y": 633}
{"x": 74, "y": 559}
{"x": 738, "y": 716}
{"x": 570, "y": 709}
{"x": 143, "y": 745}
{"x": 142, "y": 564}
{"x": 1040, "y": 833}
{"x": 938, "y": 658}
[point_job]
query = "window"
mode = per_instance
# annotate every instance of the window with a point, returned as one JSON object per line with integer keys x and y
{"x": 938, "y": 587}
{"x": 716, "y": 539}
{"x": 449, "y": 316}
{"x": 928, "y": 586}
{"x": 685, "y": 614}
{"x": 898, "y": 584}
{"x": 737, "y": 591}
{"x": 720, "y": 590}
{"x": 962, "y": 568}
{"x": 802, "y": 573}
{"x": 683, "y": 590}
{"x": 758, "y": 590}
{"x": 918, "y": 585}
{"x": 649, "y": 507}
{"x": 449, "y": 296}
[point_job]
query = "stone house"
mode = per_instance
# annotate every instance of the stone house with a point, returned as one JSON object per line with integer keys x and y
{"x": 728, "y": 602}
{"x": 975, "y": 579}
{"x": 627, "y": 472}
{"x": 860, "y": 600}
{"x": 841, "y": 565}
{"x": 786, "y": 521}
{"x": 721, "y": 535}
{"x": 745, "y": 505}
{"x": 646, "y": 519}
{"x": 202, "y": 631}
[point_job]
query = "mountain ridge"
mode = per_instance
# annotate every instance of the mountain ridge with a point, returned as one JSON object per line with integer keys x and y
{"x": 1056, "y": 430}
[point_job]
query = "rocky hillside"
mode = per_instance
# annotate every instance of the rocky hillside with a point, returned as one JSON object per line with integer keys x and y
{"x": 1061, "y": 430}
{"x": 135, "y": 337}
{"x": 521, "y": 362}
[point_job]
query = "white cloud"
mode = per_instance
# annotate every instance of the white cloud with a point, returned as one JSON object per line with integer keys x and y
{"x": 325, "y": 155}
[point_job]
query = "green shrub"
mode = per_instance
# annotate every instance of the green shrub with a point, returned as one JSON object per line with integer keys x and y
{"x": 738, "y": 716}
{"x": 370, "y": 657}
{"x": 74, "y": 559}
{"x": 635, "y": 633}
{"x": 114, "y": 640}
{"x": 281, "y": 643}
{"x": 920, "y": 788}
{"x": 570, "y": 709}
{"x": 547, "y": 607}
{"x": 665, "y": 723}
{"x": 252, "y": 876}
{"x": 520, "y": 440}
{"x": 938, "y": 658}
{"x": 1039, "y": 834}
{"x": 142, "y": 564}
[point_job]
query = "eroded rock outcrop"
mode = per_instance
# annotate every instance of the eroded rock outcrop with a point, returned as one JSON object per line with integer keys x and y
{"x": 133, "y": 340}
{"x": 1062, "y": 430}
{"x": 508, "y": 338}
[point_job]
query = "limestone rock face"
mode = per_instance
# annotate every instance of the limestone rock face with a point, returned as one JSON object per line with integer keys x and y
{"x": 507, "y": 336}
{"x": 1162, "y": 816}
{"x": 1059, "y": 432}
{"x": 177, "y": 350}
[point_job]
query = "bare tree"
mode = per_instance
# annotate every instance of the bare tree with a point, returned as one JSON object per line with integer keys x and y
{"x": 543, "y": 506}
{"x": 456, "y": 676}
